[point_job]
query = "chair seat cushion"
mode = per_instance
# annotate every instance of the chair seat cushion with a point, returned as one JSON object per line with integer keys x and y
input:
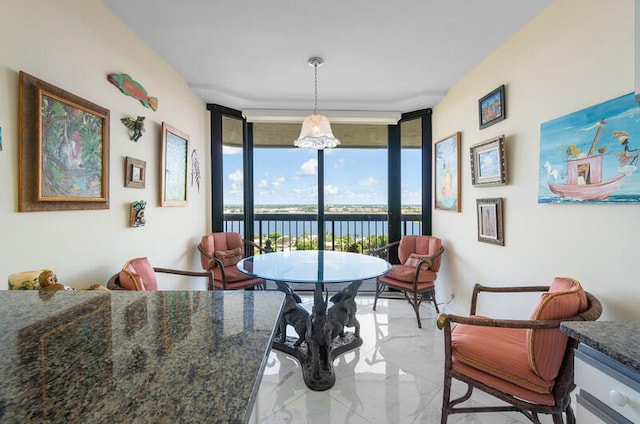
{"x": 500, "y": 353}
{"x": 503, "y": 385}
{"x": 232, "y": 273}
{"x": 407, "y": 273}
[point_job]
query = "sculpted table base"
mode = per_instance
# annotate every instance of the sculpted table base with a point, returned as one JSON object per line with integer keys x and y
{"x": 321, "y": 334}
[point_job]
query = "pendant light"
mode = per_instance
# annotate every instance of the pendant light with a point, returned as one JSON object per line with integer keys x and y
{"x": 316, "y": 130}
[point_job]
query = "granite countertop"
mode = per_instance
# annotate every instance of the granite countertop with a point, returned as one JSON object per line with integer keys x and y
{"x": 620, "y": 340}
{"x": 95, "y": 356}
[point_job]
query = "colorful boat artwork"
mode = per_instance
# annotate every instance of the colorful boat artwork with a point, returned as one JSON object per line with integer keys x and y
{"x": 584, "y": 173}
{"x": 599, "y": 169}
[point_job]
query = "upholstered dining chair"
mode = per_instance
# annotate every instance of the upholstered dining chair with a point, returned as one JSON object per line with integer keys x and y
{"x": 138, "y": 274}
{"x": 526, "y": 363}
{"x": 219, "y": 254}
{"x": 415, "y": 276}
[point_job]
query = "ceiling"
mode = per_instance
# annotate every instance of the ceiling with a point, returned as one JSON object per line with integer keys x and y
{"x": 397, "y": 56}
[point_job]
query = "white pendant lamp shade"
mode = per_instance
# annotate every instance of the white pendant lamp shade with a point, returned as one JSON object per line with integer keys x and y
{"x": 316, "y": 130}
{"x": 316, "y": 133}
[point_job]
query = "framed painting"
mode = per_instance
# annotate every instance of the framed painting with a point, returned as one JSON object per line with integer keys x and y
{"x": 175, "y": 154}
{"x": 63, "y": 150}
{"x": 135, "y": 172}
{"x": 488, "y": 163}
{"x": 490, "y": 224}
{"x": 447, "y": 173}
{"x": 591, "y": 156}
{"x": 492, "y": 108}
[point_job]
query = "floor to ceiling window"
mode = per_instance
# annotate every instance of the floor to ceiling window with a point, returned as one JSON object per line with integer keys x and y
{"x": 336, "y": 199}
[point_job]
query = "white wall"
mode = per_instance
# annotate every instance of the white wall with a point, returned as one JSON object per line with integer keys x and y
{"x": 74, "y": 44}
{"x": 577, "y": 53}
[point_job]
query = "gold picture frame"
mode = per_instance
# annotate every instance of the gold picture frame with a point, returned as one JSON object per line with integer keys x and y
{"x": 175, "y": 154}
{"x": 63, "y": 150}
{"x": 490, "y": 221}
{"x": 135, "y": 173}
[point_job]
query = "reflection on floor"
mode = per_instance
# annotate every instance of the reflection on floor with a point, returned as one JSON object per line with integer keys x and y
{"x": 394, "y": 377}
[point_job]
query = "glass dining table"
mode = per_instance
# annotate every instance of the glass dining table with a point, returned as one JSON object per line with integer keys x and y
{"x": 321, "y": 334}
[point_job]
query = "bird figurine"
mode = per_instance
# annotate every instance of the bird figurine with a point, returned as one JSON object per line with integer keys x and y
{"x": 135, "y": 125}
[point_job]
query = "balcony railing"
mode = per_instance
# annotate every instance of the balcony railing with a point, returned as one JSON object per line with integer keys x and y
{"x": 297, "y": 231}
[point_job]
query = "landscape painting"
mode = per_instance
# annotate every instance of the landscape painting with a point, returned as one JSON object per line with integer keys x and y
{"x": 591, "y": 156}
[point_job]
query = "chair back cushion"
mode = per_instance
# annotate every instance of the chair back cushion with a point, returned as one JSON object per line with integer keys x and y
{"x": 138, "y": 274}
{"x": 546, "y": 347}
{"x": 214, "y": 242}
{"x": 420, "y": 245}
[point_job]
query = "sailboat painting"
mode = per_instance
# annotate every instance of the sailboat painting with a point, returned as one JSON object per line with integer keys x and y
{"x": 591, "y": 156}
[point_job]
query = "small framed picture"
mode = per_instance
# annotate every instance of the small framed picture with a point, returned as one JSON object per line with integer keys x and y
{"x": 135, "y": 172}
{"x": 488, "y": 163}
{"x": 491, "y": 108}
{"x": 490, "y": 224}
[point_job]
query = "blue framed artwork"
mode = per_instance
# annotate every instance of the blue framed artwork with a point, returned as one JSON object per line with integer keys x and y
{"x": 591, "y": 156}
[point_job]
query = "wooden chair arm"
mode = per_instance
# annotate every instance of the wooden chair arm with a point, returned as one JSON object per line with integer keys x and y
{"x": 378, "y": 251}
{"x": 207, "y": 275}
{"x": 255, "y": 245}
{"x": 181, "y": 272}
{"x": 443, "y": 319}
{"x": 592, "y": 313}
{"x": 478, "y": 288}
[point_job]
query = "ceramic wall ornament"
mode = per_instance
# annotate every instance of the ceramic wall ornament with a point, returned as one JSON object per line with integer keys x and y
{"x": 195, "y": 169}
{"x": 135, "y": 125}
{"x": 138, "y": 218}
{"x": 132, "y": 88}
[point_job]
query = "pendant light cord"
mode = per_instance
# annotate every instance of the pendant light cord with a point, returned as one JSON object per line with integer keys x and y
{"x": 315, "y": 104}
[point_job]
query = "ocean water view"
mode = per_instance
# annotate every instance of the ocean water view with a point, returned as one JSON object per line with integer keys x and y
{"x": 296, "y": 226}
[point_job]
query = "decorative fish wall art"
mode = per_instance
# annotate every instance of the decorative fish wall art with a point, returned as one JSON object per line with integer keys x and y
{"x": 132, "y": 88}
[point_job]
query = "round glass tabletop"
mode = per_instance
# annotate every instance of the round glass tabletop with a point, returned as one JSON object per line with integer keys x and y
{"x": 314, "y": 266}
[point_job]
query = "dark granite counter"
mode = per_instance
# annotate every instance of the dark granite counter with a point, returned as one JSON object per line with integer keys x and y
{"x": 619, "y": 340}
{"x": 95, "y": 356}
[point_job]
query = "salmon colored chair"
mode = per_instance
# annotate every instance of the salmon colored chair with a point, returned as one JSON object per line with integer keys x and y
{"x": 138, "y": 274}
{"x": 526, "y": 363}
{"x": 219, "y": 254}
{"x": 415, "y": 276}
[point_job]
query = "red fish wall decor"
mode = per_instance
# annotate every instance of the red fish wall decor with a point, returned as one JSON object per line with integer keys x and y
{"x": 132, "y": 88}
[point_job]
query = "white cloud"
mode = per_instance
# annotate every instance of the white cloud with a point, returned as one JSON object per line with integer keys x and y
{"x": 278, "y": 181}
{"x": 228, "y": 150}
{"x": 310, "y": 167}
{"x": 330, "y": 189}
{"x": 370, "y": 181}
{"x": 236, "y": 176}
{"x": 339, "y": 164}
{"x": 263, "y": 183}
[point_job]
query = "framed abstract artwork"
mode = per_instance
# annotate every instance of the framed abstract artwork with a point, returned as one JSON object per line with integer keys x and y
{"x": 492, "y": 108}
{"x": 447, "y": 173}
{"x": 63, "y": 150}
{"x": 490, "y": 221}
{"x": 175, "y": 155}
{"x": 488, "y": 163}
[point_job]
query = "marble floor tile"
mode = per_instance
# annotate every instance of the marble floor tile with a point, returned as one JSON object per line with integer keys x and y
{"x": 395, "y": 377}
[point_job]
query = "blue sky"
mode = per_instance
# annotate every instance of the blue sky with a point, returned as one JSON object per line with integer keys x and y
{"x": 289, "y": 176}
